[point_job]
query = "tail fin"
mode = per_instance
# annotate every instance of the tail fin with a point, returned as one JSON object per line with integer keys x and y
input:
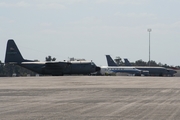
{"x": 110, "y": 61}
{"x": 12, "y": 53}
{"x": 127, "y": 63}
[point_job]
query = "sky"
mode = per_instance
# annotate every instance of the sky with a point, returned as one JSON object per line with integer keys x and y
{"x": 90, "y": 29}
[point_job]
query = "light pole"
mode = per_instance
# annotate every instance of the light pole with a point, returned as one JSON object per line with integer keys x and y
{"x": 149, "y": 30}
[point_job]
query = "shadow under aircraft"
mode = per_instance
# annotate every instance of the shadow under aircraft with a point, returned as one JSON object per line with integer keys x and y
{"x": 13, "y": 56}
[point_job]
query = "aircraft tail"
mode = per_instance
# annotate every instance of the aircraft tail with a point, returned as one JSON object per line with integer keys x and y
{"x": 110, "y": 61}
{"x": 12, "y": 53}
{"x": 127, "y": 63}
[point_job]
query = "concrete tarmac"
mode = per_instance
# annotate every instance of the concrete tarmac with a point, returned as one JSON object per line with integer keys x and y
{"x": 90, "y": 98}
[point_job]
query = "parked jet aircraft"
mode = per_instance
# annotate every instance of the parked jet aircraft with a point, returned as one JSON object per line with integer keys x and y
{"x": 114, "y": 68}
{"x": 13, "y": 56}
{"x": 119, "y": 69}
{"x": 148, "y": 70}
{"x": 155, "y": 71}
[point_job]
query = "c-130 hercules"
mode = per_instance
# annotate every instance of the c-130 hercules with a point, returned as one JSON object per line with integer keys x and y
{"x": 13, "y": 56}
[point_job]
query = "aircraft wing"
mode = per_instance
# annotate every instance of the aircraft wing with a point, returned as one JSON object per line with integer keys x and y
{"x": 57, "y": 65}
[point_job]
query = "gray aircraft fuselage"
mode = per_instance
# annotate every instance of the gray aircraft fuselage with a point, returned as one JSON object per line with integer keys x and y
{"x": 13, "y": 56}
{"x": 157, "y": 71}
{"x": 72, "y": 67}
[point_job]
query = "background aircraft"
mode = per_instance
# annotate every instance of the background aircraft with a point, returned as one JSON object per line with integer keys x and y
{"x": 146, "y": 70}
{"x": 13, "y": 56}
{"x": 155, "y": 71}
{"x": 114, "y": 68}
{"x": 109, "y": 70}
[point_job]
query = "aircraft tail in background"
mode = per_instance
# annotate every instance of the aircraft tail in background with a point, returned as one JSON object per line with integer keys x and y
{"x": 127, "y": 63}
{"x": 110, "y": 61}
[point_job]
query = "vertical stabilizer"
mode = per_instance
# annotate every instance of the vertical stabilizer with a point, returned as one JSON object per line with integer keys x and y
{"x": 127, "y": 63}
{"x": 110, "y": 61}
{"x": 12, "y": 53}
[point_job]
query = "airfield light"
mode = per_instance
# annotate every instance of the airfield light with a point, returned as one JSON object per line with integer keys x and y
{"x": 149, "y": 30}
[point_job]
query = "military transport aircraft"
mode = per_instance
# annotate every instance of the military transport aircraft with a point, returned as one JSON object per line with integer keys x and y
{"x": 146, "y": 70}
{"x": 13, "y": 56}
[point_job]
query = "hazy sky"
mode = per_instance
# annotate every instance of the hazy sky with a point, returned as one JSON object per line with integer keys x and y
{"x": 91, "y": 29}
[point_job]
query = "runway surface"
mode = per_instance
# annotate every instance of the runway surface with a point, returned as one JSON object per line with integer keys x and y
{"x": 90, "y": 98}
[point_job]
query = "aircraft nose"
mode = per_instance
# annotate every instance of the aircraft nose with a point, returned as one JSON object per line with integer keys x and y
{"x": 98, "y": 69}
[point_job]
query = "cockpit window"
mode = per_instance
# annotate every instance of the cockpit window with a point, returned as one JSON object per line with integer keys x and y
{"x": 92, "y": 63}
